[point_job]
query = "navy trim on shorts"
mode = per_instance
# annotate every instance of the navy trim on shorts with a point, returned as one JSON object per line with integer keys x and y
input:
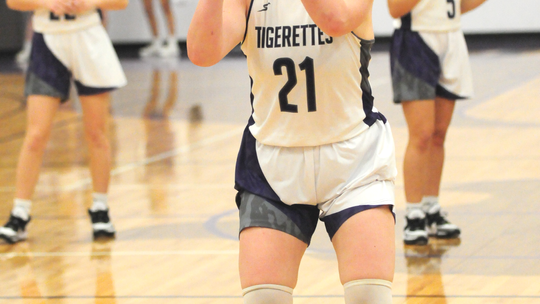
{"x": 249, "y": 175}
{"x": 444, "y": 93}
{"x": 47, "y": 68}
{"x": 334, "y": 221}
{"x": 414, "y": 66}
{"x": 411, "y": 52}
{"x": 83, "y": 90}
{"x": 304, "y": 217}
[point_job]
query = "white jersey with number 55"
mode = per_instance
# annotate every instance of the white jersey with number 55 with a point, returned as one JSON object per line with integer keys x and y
{"x": 46, "y": 22}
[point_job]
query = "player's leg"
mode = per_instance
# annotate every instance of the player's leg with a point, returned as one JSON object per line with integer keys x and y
{"x": 156, "y": 43}
{"x": 97, "y": 72}
{"x": 365, "y": 248}
{"x": 271, "y": 247}
{"x": 359, "y": 219}
{"x": 420, "y": 117}
{"x": 269, "y": 256}
{"x": 40, "y": 115}
{"x": 455, "y": 82}
{"x": 169, "y": 15}
{"x": 95, "y": 119}
{"x": 171, "y": 49}
{"x": 444, "y": 109}
{"x": 438, "y": 225}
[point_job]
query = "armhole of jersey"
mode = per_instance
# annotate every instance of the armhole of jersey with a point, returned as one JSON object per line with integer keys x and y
{"x": 358, "y": 37}
{"x": 362, "y": 40}
{"x": 247, "y": 21}
{"x": 366, "y": 42}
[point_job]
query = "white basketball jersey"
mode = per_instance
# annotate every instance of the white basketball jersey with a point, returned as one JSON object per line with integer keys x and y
{"x": 307, "y": 87}
{"x": 46, "y": 22}
{"x": 434, "y": 15}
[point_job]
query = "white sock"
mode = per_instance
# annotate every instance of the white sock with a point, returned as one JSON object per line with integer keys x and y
{"x": 430, "y": 204}
{"x": 172, "y": 40}
{"x": 99, "y": 201}
{"x": 157, "y": 41}
{"x": 21, "y": 208}
{"x": 414, "y": 210}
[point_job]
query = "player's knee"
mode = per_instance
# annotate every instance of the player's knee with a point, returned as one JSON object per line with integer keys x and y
{"x": 368, "y": 291}
{"x": 438, "y": 138}
{"x": 36, "y": 140}
{"x": 268, "y": 294}
{"x": 421, "y": 141}
{"x": 96, "y": 138}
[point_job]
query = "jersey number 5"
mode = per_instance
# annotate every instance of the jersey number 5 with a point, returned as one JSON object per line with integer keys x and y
{"x": 54, "y": 17}
{"x": 307, "y": 66}
{"x": 452, "y": 12}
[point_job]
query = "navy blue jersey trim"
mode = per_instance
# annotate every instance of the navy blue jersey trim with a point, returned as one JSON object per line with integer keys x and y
{"x": 247, "y": 21}
{"x": 406, "y": 22}
{"x": 367, "y": 94}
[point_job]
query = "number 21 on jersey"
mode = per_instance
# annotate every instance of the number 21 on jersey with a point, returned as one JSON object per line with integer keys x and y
{"x": 290, "y": 67}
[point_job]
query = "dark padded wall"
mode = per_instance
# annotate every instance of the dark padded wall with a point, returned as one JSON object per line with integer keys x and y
{"x": 11, "y": 28}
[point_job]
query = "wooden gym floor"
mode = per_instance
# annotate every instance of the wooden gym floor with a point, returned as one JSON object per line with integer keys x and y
{"x": 175, "y": 131}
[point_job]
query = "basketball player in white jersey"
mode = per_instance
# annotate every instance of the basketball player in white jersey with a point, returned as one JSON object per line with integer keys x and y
{"x": 430, "y": 71}
{"x": 315, "y": 145}
{"x": 157, "y": 47}
{"x": 69, "y": 43}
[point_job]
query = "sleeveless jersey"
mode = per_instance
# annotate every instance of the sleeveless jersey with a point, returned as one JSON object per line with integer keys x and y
{"x": 432, "y": 15}
{"x": 46, "y": 22}
{"x": 307, "y": 88}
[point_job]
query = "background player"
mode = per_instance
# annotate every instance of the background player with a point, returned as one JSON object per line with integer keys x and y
{"x": 69, "y": 42}
{"x": 430, "y": 71}
{"x": 315, "y": 144}
{"x": 157, "y": 47}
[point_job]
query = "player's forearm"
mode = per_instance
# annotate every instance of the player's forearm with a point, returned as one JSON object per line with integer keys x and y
{"x": 76, "y": 6}
{"x": 215, "y": 29}
{"x": 338, "y": 17}
{"x": 469, "y": 5}
{"x": 25, "y": 5}
{"x": 205, "y": 34}
{"x": 112, "y": 4}
{"x": 399, "y": 8}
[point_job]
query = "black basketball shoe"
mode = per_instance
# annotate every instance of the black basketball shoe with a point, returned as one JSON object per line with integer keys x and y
{"x": 101, "y": 223}
{"x": 14, "y": 230}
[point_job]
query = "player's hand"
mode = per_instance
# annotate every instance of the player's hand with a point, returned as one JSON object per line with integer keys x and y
{"x": 59, "y": 7}
{"x": 81, "y": 6}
